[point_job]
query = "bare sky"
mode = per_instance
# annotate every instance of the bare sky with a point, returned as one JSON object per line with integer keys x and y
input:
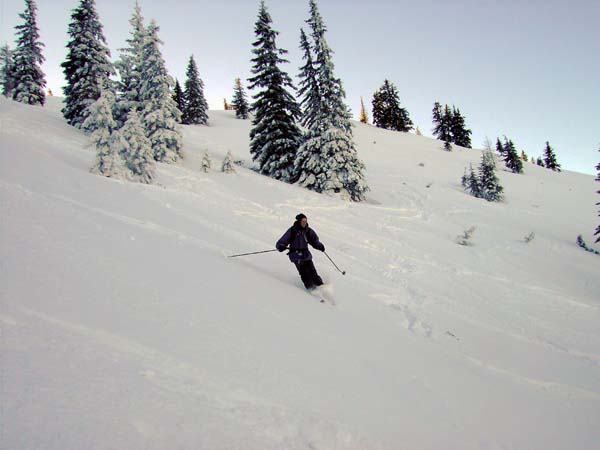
{"x": 529, "y": 70}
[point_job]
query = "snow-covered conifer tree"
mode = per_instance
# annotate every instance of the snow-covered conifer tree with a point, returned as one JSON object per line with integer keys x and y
{"x": 240, "y": 103}
{"x": 472, "y": 183}
{"x": 101, "y": 124}
{"x": 308, "y": 90}
{"x": 206, "y": 162}
{"x": 133, "y": 145}
{"x": 524, "y": 156}
{"x": 327, "y": 161}
{"x": 487, "y": 144}
{"x": 489, "y": 185}
{"x": 178, "y": 98}
{"x": 7, "y": 71}
{"x": 129, "y": 67}
{"x": 227, "y": 166}
{"x": 274, "y": 137}
{"x": 87, "y": 67}
{"x": 27, "y": 58}
{"x": 196, "y": 108}
{"x": 447, "y": 146}
{"x": 387, "y": 112}
{"x": 550, "y": 158}
{"x": 511, "y": 158}
{"x": 160, "y": 114}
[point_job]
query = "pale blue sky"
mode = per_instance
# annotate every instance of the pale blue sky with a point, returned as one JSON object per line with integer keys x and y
{"x": 526, "y": 69}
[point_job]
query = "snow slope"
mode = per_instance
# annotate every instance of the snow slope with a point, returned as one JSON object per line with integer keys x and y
{"x": 124, "y": 325}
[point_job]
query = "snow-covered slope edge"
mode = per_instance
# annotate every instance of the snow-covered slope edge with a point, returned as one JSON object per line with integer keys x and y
{"x": 125, "y": 326}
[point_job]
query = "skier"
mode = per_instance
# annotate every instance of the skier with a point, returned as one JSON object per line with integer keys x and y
{"x": 298, "y": 236}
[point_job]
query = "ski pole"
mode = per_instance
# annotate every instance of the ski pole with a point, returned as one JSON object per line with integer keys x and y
{"x": 253, "y": 253}
{"x": 343, "y": 272}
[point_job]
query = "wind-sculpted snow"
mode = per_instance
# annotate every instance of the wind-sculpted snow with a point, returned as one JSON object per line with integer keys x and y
{"x": 124, "y": 324}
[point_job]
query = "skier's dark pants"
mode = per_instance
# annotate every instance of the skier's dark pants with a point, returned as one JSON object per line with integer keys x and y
{"x": 309, "y": 274}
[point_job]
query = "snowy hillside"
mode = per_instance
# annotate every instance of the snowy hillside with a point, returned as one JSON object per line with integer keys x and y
{"x": 124, "y": 325}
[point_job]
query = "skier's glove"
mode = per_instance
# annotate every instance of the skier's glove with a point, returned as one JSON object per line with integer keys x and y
{"x": 322, "y": 248}
{"x": 281, "y": 249}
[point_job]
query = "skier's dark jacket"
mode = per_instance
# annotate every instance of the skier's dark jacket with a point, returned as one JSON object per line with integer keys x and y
{"x": 298, "y": 239}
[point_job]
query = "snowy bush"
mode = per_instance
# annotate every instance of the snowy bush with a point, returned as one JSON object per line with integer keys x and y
{"x": 465, "y": 238}
{"x": 206, "y": 162}
{"x": 227, "y": 166}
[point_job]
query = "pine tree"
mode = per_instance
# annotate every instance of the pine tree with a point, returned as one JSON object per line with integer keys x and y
{"x": 418, "y": 132}
{"x": 27, "y": 59}
{"x": 442, "y": 122}
{"x": 471, "y": 183}
{"x": 327, "y": 161}
{"x": 7, "y": 71}
{"x": 487, "y": 144}
{"x": 101, "y": 124}
{"x": 160, "y": 114}
{"x": 364, "y": 118}
{"x": 196, "y": 108}
{"x": 524, "y": 156}
{"x": 550, "y": 158}
{"x": 178, "y": 98}
{"x": 206, "y": 162}
{"x": 499, "y": 147}
{"x": 129, "y": 67}
{"x": 308, "y": 90}
{"x": 489, "y": 185}
{"x": 387, "y": 112}
{"x": 239, "y": 103}
{"x": 133, "y": 145}
{"x": 227, "y": 166}
{"x": 540, "y": 162}
{"x": 447, "y": 146}
{"x": 511, "y": 157}
{"x": 597, "y": 232}
{"x": 274, "y": 137}
{"x": 460, "y": 134}
{"x": 87, "y": 66}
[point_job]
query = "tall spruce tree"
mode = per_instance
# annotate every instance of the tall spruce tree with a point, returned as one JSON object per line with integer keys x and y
{"x": 101, "y": 124}
{"x": 327, "y": 161}
{"x": 274, "y": 137}
{"x": 387, "y": 112}
{"x": 133, "y": 145}
{"x": 7, "y": 71}
{"x": 239, "y": 102}
{"x": 178, "y": 98}
{"x": 308, "y": 89}
{"x": 489, "y": 185}
{"x": 87, "y": 67}
{"x": 461, "y": 135}
{"x": 597, "y": 233}
{"x": 499, "y": 147}
{"x": 442, "y": 122}
{"x": 550, "y": 158}
{"x": 27, "y": 58}
{"x": 196, "y": 108}
{"x": 511, "y": 157}
{"x": 160, "y": 114}
{"x": 129, "y": 69}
